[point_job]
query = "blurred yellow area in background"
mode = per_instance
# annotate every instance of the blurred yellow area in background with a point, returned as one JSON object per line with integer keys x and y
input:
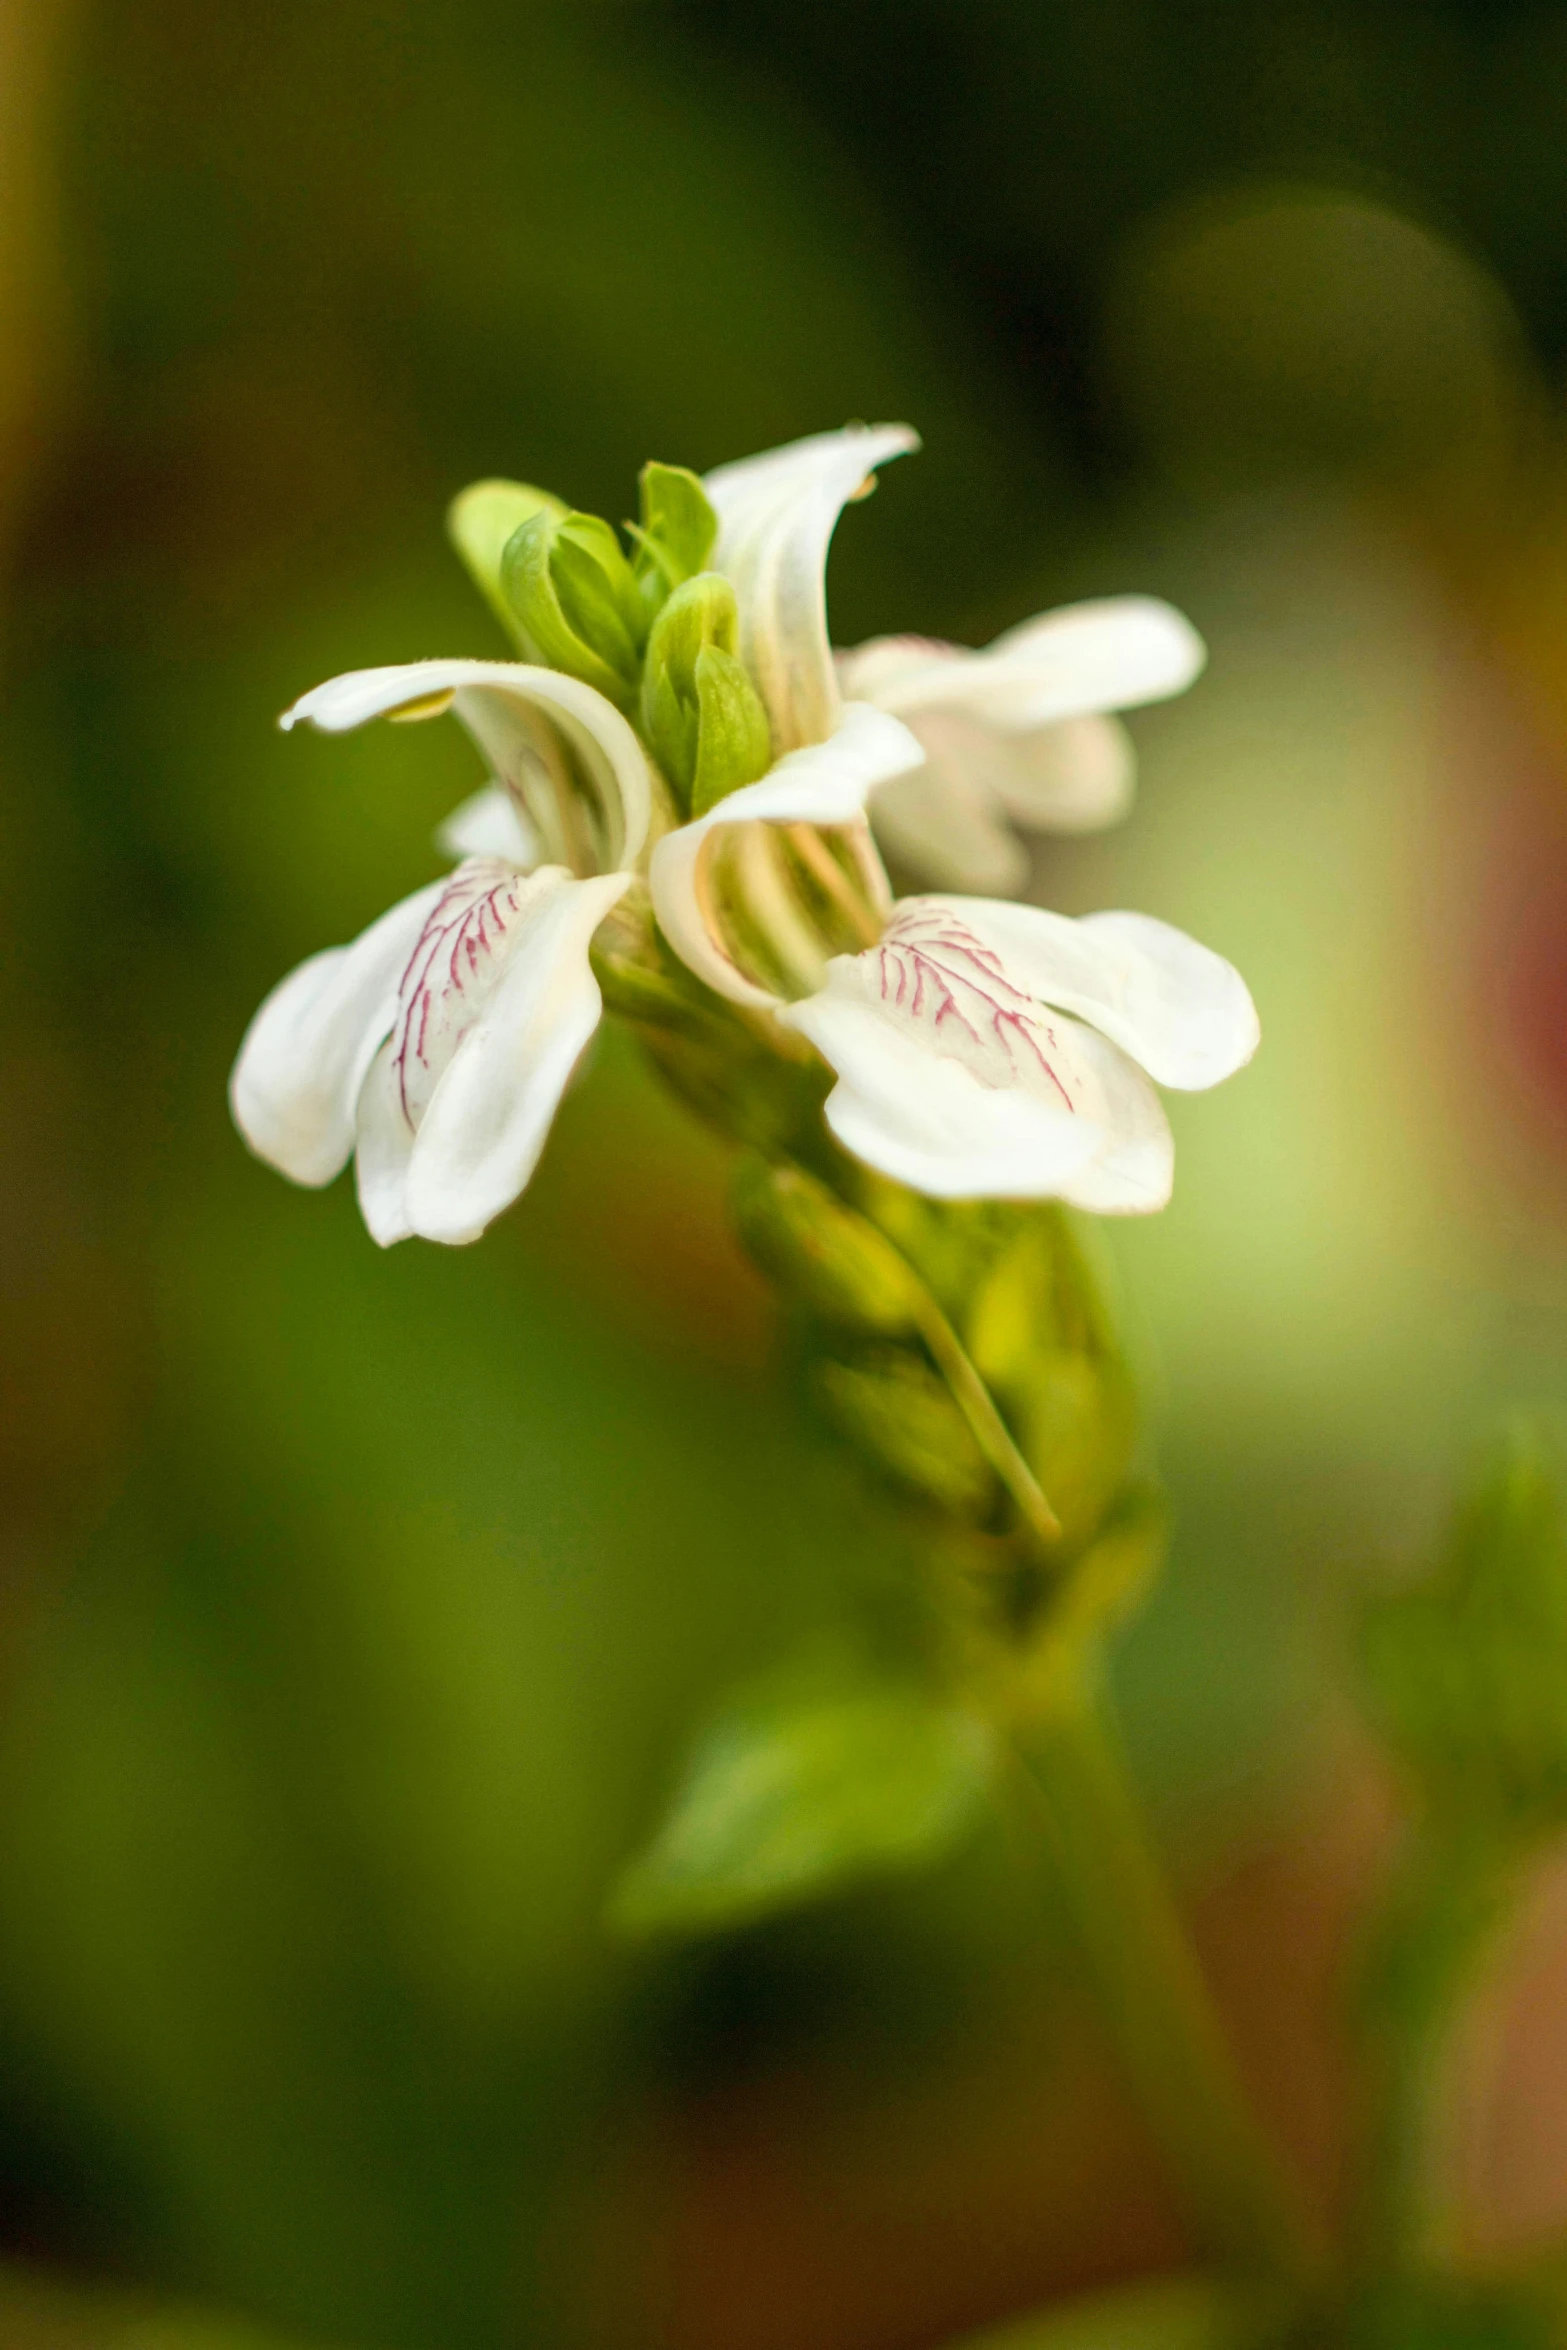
{"x": 356, "y": 1607}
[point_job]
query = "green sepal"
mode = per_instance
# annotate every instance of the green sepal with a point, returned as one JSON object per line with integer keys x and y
{"x": 819, "y": 1253}
{"x": 575, "y": 601}
{"x": 700, "y": 712}
{"x": 480, "y": 520}
{"x": 796, "y": 1792}
{"x": 677, "y": 534}
{"x": 1467, "y": 1672}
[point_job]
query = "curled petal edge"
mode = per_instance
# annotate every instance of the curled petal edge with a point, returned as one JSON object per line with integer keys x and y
{"x": 826, "y": 783}
{"x": 593, "y": 726}
{"x": 776, "y": 516}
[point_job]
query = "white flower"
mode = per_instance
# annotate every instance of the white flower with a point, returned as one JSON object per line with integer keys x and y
{"x": 436, "y": 1048}
{"x": 1020, "y": 737}
{"x": 982, "y": 1049}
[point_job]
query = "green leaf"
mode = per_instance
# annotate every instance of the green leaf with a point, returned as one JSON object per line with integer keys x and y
{"x": 789, "y": 1797}
{"x": 480, "y": 520}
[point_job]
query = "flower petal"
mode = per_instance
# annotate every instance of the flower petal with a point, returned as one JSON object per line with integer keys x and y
{"x": 776, "y": 514}
{"x": 490, "y": 824}
{"x": 826, "y": 783}
{"x": 383, "y": 1147}
{"x": 487, "y": 1121}
{"x": 302, "y": 1063}
{"x": 1179, "y": 1009}
{"x": 1088, "y": 1128}
{"x": 1075, "y": 776}
{"x": 943, "y": 824}
{"x": 504, "y": 705}
{"x": 1109, "y": 655}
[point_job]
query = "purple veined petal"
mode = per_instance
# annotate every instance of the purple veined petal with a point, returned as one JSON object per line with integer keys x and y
{"x": 1180, "y": 1010}
{"x": 299, "y": 1071}
{"x": 468, "y": 939}
{"x": 487, "y": 1121}
{"x": 456, "y": 1104}
{"x": 825, "y": 784}
{"x": 504, "y": 705}
{"x": 949, "y": 1084}
{"x": 776, "y": 515}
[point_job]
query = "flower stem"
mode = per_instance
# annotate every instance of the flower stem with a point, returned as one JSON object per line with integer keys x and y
{"x": 1153, "y": 1996}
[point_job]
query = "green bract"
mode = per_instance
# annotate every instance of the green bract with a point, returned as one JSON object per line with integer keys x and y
{"x": 820, "y": 1253}
{"x": 576, "y": 601}
{"x": 700, "y": 711}
{"x": 677, "y": 534}
{"x": 480, "y": 520}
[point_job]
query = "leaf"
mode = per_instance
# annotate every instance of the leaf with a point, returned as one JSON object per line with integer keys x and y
{"x": 788, "y": 1798}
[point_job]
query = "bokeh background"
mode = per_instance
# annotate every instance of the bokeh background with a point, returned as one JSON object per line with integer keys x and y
{"x": 355, "y": 1608}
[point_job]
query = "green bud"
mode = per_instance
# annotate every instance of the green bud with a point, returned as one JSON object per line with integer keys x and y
{"x": 575, "y": 601}
{"x": 677, "y": 535}
{"x": 1467, "y": 1673}
{"x": 480, "y": 520}
{"x": 700, "y": 712}
{"x": 820, "y": 1253}
{"x": 901, "y": 1416}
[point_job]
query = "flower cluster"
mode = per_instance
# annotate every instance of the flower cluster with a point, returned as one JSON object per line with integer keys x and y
{"x": 680, "y": 732}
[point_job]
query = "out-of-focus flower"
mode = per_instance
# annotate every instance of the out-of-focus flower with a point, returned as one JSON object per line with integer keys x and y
{"x": 436, "y": 1047}
{"x": 1020, "y": 738}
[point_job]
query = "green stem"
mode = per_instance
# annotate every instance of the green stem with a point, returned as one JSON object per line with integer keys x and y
{"x": 1154, "y": 1999}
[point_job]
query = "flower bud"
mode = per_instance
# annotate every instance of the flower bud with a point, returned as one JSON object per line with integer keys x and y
{"x": 480, "y": 520}
{"x": 820, "y": 1254}
{"x": 576, "y": 602}
{"x": 700, "y": 712}
{"x": 677, "y": 535}
{"x": 1467, "y": 1673}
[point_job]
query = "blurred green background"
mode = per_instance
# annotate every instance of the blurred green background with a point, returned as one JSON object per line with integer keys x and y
{"x": 355, "y": 1608}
